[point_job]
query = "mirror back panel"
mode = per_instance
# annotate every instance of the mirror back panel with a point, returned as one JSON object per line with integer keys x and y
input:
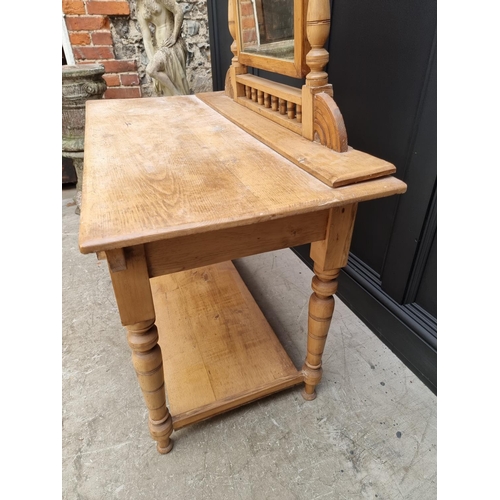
{"x": 271, "y": 35}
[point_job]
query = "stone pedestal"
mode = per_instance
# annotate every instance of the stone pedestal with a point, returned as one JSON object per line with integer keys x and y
{"x": 77, "y": 158}
{"x": 80, "y": 83}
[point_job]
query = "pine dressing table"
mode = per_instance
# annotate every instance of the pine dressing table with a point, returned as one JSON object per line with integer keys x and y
{"x": 174, "y": 188}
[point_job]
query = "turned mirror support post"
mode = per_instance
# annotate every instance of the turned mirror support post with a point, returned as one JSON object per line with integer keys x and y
{"x": 233, "y": 88}
{"x": 321, "y": 118}
{"x": 318, "y": 29}
{"x": 330, "y": 256}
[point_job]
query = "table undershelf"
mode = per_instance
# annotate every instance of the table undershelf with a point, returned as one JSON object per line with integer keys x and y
{"x": 219, "y": 351}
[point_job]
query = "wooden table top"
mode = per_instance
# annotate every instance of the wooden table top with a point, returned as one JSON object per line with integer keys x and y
{"x": 158, "y": 168}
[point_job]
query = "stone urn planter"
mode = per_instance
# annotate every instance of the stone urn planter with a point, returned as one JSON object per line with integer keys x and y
{"x": 80, "y": 83}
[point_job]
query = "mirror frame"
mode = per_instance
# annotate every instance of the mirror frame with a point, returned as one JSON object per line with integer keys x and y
{"x": 296, "y": 68}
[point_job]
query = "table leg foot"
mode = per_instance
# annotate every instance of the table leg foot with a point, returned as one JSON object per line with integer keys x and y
{"x": 308, "y": 396}
{"x": 165, "y": 449}
{"x": 312, "y": 377}
{"x": 160, "y": 431}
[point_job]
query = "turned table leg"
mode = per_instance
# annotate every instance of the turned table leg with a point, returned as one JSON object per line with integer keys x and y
{"x": 130, "y": 279}
{"x": 330, "y": 256}
{"x": 321, "y": 307}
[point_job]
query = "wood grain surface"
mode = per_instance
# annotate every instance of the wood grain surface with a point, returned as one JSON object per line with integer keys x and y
{"x": 219, "y": 351}
{"x": 159, "y": 168}
{"x": 330, "y": 167}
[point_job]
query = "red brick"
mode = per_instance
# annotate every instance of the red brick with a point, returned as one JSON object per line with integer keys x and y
{"x": 129, "y": 80}
{"x": 112, "y": 80}
{"x": 122, "y": 93}
{"x": 108, "y": 8}
{"x": 248, "y": 22}
{"x": 102, "y": 38}
{"x": 86, "y": 23}
{"x": 246, "y": 8}
{"x": 73, "y": 7}
{"x": 249, "y": 36}
{"x": 121, "y": 66}
{"x": 80, "y": 38}
{"x": 94, "y": 53}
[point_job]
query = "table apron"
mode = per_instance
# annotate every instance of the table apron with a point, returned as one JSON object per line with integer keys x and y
{"x": 202, "y": 249}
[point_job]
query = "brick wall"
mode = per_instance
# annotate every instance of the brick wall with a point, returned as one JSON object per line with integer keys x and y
{"x": 90, "y": 35}
{"x": 248, "y": 27}
{"x": 107, "y": 32}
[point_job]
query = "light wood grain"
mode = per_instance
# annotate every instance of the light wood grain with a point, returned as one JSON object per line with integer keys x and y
{"x": 321, "y": 307}
{"x": 333, "y": 251}
{"x": 277, "y": 89}
{"x": 232, "y": 87}
{"x": 135, "y": 304}
{"x": 116, "y": 260}
{"x": 272, "y": 114}
{"x": 131, "y": 287}
{"x": 329, "y": 126}
{"x": 225, "y": 404}
{"x": 196, "y": 250}
{"x": 329, "y": 256}
{"x": 161, "y": 168}
{"x": 219, "y": 351}
{"x": 302, "y": 45}
{"x": 318, "y": 29}
{"x": 330, "y": 167}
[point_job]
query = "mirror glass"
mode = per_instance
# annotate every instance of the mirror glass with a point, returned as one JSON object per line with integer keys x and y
{"x": 266, "y": 28}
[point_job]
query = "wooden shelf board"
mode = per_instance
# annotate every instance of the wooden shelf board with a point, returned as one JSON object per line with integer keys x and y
{"x": 330, "y": 167}
{"x": 219, "y": 351}
{"x": 200, "y": 172}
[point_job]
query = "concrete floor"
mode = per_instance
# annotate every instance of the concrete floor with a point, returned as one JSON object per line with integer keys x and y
{"x": 370, "y": 433}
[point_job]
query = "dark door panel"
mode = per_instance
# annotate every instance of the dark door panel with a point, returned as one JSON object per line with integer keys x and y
{"x": 413, "y": 221}
{"x": 427, "y": 301}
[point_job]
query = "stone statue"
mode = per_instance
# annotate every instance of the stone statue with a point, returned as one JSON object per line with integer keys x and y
{"x": 167, "y": 51}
